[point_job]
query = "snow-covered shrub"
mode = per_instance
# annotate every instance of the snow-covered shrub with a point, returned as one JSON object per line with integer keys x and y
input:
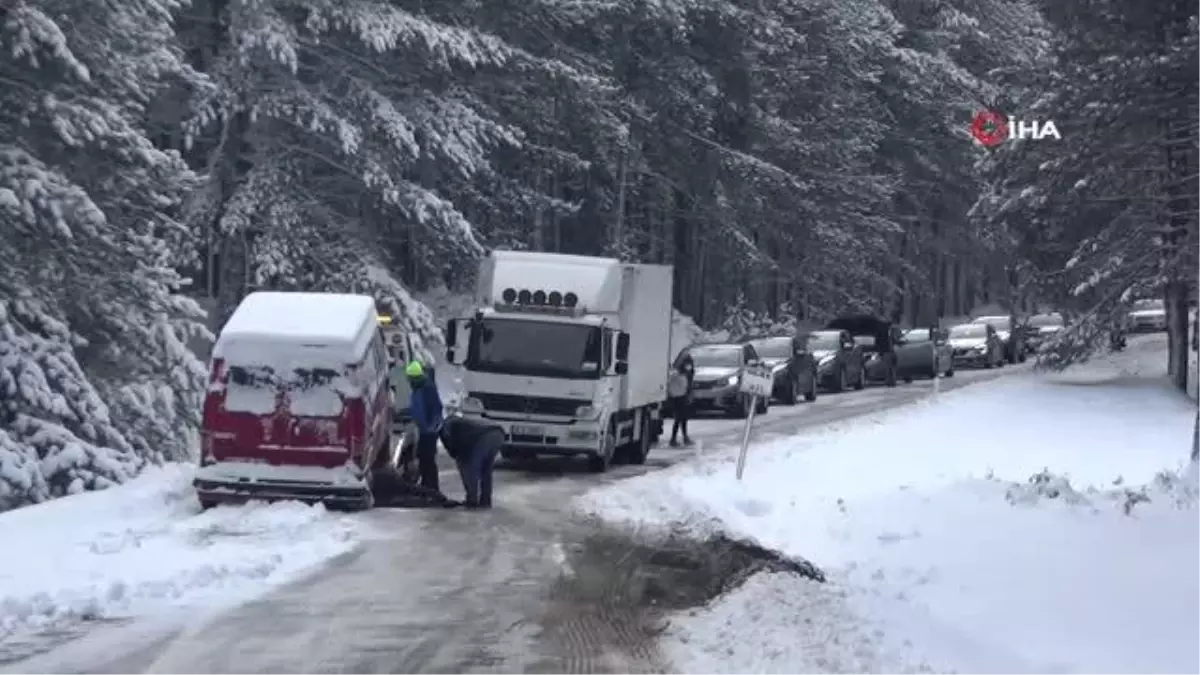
{"x": 93, "y": 381}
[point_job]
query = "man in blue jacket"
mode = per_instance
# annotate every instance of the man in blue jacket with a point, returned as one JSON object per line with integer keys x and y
{"x": 425, "y": 408}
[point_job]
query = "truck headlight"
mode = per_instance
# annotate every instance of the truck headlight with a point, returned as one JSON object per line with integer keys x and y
{"x": 472, "y": 404}
{"x": 732, "y": 381}
{"x": 586, "y": 412}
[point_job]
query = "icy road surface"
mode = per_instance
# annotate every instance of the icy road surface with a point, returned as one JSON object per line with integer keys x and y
{"x": 449, "y": 590}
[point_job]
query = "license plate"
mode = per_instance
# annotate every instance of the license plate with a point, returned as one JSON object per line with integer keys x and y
{"x": 521, "y": 430}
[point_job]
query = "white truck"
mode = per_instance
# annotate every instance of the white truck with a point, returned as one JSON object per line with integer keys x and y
{"x": 566, "y": 353}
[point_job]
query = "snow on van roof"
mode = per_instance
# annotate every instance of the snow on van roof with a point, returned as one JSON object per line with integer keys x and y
{"x": 299, "y": 319}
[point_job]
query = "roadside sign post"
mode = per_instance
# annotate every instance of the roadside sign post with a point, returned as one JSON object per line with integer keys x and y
{"x": 758, "y": 384}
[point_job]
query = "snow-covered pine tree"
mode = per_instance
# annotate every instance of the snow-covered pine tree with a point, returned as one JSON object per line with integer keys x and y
{"x": 94, "y": 378}
{"x": 1091, "y": 214}
{"x": 344, "y": 136}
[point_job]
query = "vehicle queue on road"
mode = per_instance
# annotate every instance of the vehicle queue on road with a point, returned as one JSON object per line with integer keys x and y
{"x": 314, "y": 396}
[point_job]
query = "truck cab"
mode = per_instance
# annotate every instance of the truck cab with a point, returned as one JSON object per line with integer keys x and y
{"x": 565, "y": 354}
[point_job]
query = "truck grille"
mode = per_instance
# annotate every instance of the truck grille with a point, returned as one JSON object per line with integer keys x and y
{"x": 532, "y": 405}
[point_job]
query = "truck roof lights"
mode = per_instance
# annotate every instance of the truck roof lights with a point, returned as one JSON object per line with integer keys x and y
{"x": 526, "y": 300}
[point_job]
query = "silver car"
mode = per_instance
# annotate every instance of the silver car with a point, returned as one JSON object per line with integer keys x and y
{"x": 924, "y": 352}
{"x": 976, "y": 345}
{"x": 1042, "y": 327}
{"x": 716, "y": 384}
{"x": 1148, "y": 316}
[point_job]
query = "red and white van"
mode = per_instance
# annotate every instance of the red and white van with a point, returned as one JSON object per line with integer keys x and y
{"x": 298, "y": 403}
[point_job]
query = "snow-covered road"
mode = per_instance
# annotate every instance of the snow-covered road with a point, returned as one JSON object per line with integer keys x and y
{"x": 942, "y": 554}
{"x": 387, "y": 591}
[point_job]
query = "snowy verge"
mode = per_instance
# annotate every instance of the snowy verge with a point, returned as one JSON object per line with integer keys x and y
{"x": 144, "y": 548}
{"x": 1025, "y": 525}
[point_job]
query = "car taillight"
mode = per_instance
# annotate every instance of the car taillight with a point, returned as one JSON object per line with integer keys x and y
{"x": 216, "y": 371}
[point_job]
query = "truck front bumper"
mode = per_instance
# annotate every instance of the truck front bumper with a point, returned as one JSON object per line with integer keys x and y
{"x": 551, "y": 438}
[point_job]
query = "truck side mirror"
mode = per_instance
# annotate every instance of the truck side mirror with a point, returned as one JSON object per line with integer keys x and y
{"x": 456, "y": 353}
{"x": 622, "y": 347}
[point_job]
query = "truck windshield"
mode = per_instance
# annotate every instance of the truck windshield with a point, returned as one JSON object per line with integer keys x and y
{"x": 536, "y": 348}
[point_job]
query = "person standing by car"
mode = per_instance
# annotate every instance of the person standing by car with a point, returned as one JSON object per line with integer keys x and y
{"x": 425, "y": 408}
{"x": 474, "y": 445}
{"x": 679, "y": 388}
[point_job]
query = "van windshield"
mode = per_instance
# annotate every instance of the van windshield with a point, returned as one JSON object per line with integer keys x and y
{"x": 536, "y": 348}
{"x": 310, "y": 391}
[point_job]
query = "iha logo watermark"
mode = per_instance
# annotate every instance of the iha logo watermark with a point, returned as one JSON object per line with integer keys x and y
{"x": 991, "y": 129}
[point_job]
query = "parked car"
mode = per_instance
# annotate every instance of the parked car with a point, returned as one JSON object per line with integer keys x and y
{"x": 1148, "y": 316}
{"x": 976, "y": 345}
{"x": 718, "y": 377}
{"x": 876, "y": 338}
{"x": 924, "y": 352}
{"x": 791, "y": 364}
{"x": 1041, "y": 327}
{"x": 840, "y": 362}
{"x": 1011, "y": 334}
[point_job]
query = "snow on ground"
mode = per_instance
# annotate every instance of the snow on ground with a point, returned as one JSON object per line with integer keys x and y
{"x": 145, "y": 548}
{"x": 943, "y": 554}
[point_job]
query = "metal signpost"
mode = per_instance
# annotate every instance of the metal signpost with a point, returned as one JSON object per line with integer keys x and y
{"x": 758, "y": 383}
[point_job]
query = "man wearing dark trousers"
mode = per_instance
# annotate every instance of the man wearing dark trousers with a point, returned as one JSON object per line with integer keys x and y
{"x": 474, "y": 445}
{"x": 425, "y": 407}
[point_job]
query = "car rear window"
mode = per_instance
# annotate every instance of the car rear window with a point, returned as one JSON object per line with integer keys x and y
{"x": 312, "y": 392}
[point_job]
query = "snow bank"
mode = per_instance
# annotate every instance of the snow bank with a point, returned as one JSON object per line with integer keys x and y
{"x": 144, "y": 547}
{"x": 948, "y": 545}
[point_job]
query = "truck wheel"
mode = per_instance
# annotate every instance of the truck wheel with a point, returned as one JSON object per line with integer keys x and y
{"x": 811, "y": 394}
{"x": 599, "y": 463}
{"x": 640, "y": 449}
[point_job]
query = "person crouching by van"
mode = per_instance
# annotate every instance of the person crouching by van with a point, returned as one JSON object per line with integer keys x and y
{"x": 474, "y": 445}
{"x": 425, "y": 408}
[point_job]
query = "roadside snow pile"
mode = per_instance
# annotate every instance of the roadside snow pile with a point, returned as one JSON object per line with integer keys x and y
{"x": 144, "y": 547}
{"x": 1021, "y": 526}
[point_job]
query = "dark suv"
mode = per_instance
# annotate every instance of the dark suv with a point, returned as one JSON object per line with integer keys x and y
{"x": 792, "y": 366}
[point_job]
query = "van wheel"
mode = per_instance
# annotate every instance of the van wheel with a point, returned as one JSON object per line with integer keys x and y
{"x": 599, "y": 463}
